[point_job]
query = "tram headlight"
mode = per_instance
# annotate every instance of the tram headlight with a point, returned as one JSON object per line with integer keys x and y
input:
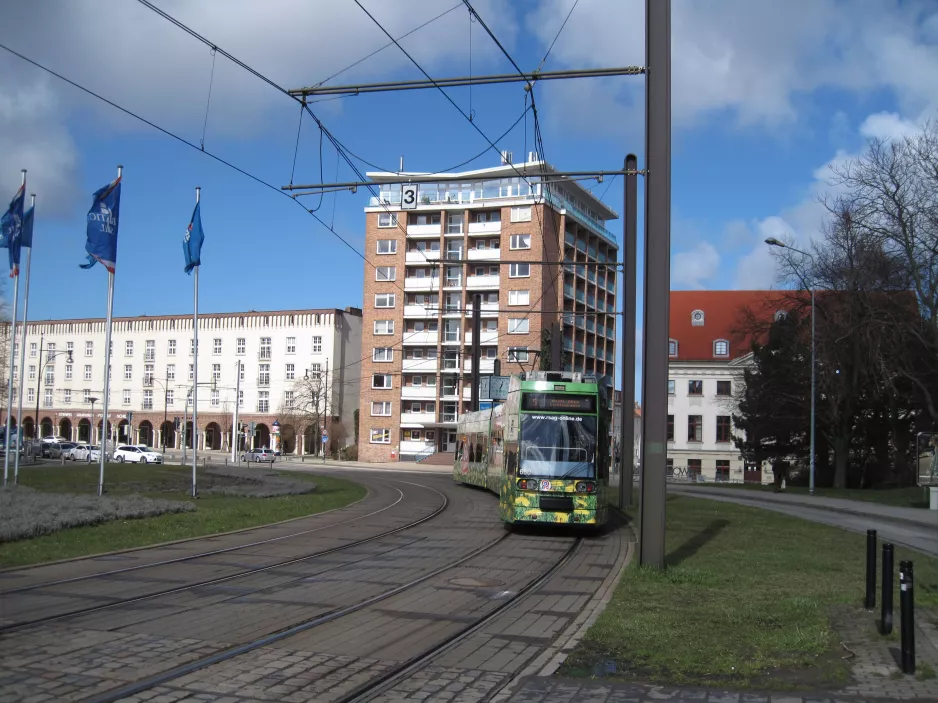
{"x": 585, "y": 487}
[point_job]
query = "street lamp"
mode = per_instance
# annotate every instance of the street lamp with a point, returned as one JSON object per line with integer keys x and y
{"x": 773, "y": 242}
{"x": 91, "y": 430}
{"x": 165, "y": 403}
{"x": 317, "y": 387}
{"x": 42, "y": 368}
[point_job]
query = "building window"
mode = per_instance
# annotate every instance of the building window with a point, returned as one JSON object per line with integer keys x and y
{"x": 32, "y": 373}
{"x": 382, "y": 354}
{"x": 85, "y": 396}
{"x": 126, "y": 396}
{"x": 288, "y": 400}
{"x": 263, "y": 401}
{"x": 387, "y": 219}
{"x": 695, "y": 388}
{"x": 241, "y": 371}
{"x": 697, "y": 318}
{"x": 724, "y": 428}
{"x": 69, "y": 346}
{"x": 317, "y": 345}
{"x": 47, "y": 398}
{"x": 191, "y": 372}
{"x": 148, "y": 400}
{"x": 50, "y": 350}
{"x": 381, "y": 408}
{"x": 519, "y": 270}
{"x": 520, "y": 241}
{"x": 216, "y": 345}
{"x": 89, "y": 349}
{"x": 316, "y": 368}
{"x": 128, "y": 372}
{"x": 33, "y": 347}
{"x": 521, "y": 213}
{"x": 384, "y": 326}
{"x": 518, "y": 326}
{"x": 240, "y": 399}
{"x": 170, "y": 396}
{"x": 384, "y": 300}
{"x": 240, "y": 346}
{"x": 67, "y": 399}
{"x": 68, "y": 372}
{"x": 695, "y": 428}
{"x": 724, "y": 388}
{"x": 291, "y": 345}
{"x": 385, "y": 273}
{"x": 670, "y": 428}
{"x": 672, "y": 347}
{"x": 128, "y": 348}
{"x": 518, "y": 354}
{"x": 519, "y": 297}
{"x": 290, "y": 373}
{"x": 149, "y": 350}
{"x": 87, "y": 372}
{"x": 215, "y": 399}
{"x": 381, "y": 381}
{"x": 265, "y": 348}
{"x": 216, "y": 372}
{"x": 380, "y": 436}
{"x": 50, "y": 376}
{"x": 171, "y": 348}
{"x": 693, "y": 469}
{"x": 670, "y": 386}
{"x": 31, "y": 395}
{"x": 723, "y": 470}
{"x": 387, "y": 246}
{"x": 170, "y": 372}
{"x": 721, "y": 348}
{"x": 263, "y": 375}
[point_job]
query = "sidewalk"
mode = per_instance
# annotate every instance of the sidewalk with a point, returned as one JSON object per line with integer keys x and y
{"x": 915, "y": 516}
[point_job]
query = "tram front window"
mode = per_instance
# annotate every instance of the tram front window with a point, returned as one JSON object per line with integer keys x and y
{"x": 558, "y": 446}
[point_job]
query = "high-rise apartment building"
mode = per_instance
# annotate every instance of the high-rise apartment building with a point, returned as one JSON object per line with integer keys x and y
{"x": 515, "y": 236}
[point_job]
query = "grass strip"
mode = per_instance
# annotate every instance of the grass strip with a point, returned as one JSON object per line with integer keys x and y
{"x": 745, "y": 602}
{"x": 905, "y": 497}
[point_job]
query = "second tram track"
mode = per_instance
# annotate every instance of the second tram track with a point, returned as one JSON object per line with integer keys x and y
{"x": 209, "y": 582}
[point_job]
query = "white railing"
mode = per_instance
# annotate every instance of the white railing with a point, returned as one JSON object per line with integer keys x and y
{"x": 421, "y": 284}
{"x": 418, "y": 418}
{"x": 421, "y": 337}
{"x": 421, "y": 365}
{"x": 485, "y": 227}
{"x": 428, "y": 310}
{"x": 484, "y": 254}
{"x": 420, "y": 257}
{"x": 477, "y": 282}
{"x": 486, "y": 310}
{"x": 424, "y": 230}
{"x": 485, "y": 337}
{"x": 485, "y": 366}
{"x": 418, "y": 393}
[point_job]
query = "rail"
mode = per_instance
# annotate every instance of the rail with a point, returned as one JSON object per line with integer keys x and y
{"x": 425, "y": 454}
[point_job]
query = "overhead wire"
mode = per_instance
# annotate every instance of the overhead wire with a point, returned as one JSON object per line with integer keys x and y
{"x": 556, "y": 37}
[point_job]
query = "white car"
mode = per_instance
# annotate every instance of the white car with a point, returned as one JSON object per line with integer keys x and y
{"x": 85, "y": 452}
{"x": 129, "y": 452}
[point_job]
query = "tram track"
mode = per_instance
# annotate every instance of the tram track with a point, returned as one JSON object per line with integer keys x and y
{"x": 16, "y": 626}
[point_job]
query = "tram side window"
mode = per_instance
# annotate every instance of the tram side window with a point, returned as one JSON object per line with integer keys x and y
{"x": 459, "y": 449}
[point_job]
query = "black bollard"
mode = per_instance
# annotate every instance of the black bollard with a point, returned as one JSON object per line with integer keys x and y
{"x": 907, "y": 617}
{"x": 885, "y": 626}
{"x": 870, "y": 569}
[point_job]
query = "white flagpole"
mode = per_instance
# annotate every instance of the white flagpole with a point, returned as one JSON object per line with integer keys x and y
{"x": 19, "y": 412}
{"x": 16, "y": 283}
{"x": 107, "y": 368}
{"x": 236, "y": 427}
{"x": 195, "y": 366}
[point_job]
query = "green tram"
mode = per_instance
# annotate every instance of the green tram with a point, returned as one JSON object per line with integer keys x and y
{"x": 545, "y": 451}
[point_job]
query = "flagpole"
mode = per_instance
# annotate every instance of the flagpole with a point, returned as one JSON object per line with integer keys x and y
{"x": 19, "y": 412}
{"x": 195, "y": 366}
{"x": 236, "y": 427}
{"x": 107, "y": 369}
{"x": 16, "y": 283}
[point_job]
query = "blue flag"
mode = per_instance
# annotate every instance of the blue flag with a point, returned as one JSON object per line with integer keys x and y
{"x": 11, "y": 226}
{"x": 103, "y": 219}
{"x": 26, "y": 236}
{"x": 192, "y": 244}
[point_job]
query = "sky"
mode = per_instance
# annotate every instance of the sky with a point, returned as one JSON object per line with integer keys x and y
{"x": 765, "y": 97}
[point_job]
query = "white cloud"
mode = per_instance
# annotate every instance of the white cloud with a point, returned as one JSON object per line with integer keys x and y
{"x": 693, "y": 268}
{"x": 887, "y": 125}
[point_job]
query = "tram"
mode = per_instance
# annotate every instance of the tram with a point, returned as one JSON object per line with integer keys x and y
{"x": 545, "y": 451}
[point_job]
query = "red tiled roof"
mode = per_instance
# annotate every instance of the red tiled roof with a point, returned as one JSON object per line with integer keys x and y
{"x": 721, "y": 311}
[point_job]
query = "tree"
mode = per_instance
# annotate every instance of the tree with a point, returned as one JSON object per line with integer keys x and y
{"x": 308, "y": 408}
{"x": 772, "y": 403}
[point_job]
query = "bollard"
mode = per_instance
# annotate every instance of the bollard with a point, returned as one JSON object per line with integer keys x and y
{"x": 907, "y": 617}
{"x": 885, "y": 626}
{"x": 870, "y": 569}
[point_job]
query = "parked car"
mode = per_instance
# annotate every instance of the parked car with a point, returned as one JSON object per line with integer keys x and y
{"x": 263, "y": 454}
{"x": 77, "y": 452}
{"x": 57, "y": 450}
{"x": 86, "y": 452}
{"x": 134, "y": 454}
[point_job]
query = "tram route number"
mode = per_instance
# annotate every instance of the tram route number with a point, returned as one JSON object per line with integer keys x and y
{"x": 409, "y": 196}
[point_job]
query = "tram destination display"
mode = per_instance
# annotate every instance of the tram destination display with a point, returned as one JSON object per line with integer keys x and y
{"x": 558, "y": 402}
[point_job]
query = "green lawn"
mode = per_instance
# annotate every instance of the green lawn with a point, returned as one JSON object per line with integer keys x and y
{"x": 906, "y": 497}
{"x": 213, "y": 514}
{"x": 745, "y": 602}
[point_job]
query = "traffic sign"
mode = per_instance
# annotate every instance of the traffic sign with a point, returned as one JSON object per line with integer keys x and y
{"x": 325, "y": 438}
{"x": 409, "y": 196}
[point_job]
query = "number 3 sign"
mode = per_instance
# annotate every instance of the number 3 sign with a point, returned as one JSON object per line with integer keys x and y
{"x": 409, "y": 196}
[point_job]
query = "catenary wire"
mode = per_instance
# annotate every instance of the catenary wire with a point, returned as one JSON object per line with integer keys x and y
{"x": 556, "y": 37}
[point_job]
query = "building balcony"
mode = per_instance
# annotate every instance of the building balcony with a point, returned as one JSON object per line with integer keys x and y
{"x": 486, "y": 366}
{"x": 485, "y": 310}
{"x": 420, "y": 365}
{"x": 418, "y": 393}
{"x": 422, "y": 338}
{"x": 421, "y": 284}
{"x": 424, "y": 230}
{"x": 484, "y": 254}
{"x": 485, "y": 228}
{"x": 485, "y": 337}
{"x": 421, "y": 257}
{"x": 482, "y": 282}
{"x": 452, "y": 338}
{"x": 428, "y": 310}
{"x": 453, "y": 282}
{"x": 418, "y": 418}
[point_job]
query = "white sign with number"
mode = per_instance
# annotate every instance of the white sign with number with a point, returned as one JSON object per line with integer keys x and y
{"x": 409, "y": 196}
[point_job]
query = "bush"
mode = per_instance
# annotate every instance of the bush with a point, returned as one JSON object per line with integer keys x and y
{"x": 350, "y": 453}
{"x": 26, "y": 513}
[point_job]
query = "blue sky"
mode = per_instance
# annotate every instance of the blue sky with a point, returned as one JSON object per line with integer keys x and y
{"x": 765, "y": 95}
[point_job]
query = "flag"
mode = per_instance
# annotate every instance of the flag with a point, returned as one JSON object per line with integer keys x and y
{"x": 12, "y": 228}
{"x": 102, "y": 226}
{"x": 26, "y": 236}
{"x": 192, "y": 244}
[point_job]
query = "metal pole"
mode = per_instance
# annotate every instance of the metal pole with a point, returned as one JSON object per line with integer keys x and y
{"x": 236, "y": 428}
{"x": 195, "y": 366}
{"x": 813, "y": 364}
{"x": 163, "y": 428}
{"x": 107, "y": 375}
{"x": 907, "y": 617}
{"x": 326, "y": 420}
{"x": 37, "y": 430}
{"x": 19, "y": 412}
{"x": 657, "y": 281}
{"x": 476, "y": 352}
{"x": 627, "y": 419}
{"x": 6, "y": 454}
{"x": 885, "y": 626}
{"x": 870, "y": 602}
{"x": 185, "y": 422}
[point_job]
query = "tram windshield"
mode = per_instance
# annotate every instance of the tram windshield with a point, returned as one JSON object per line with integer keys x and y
{"x": 558, "y": 446}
